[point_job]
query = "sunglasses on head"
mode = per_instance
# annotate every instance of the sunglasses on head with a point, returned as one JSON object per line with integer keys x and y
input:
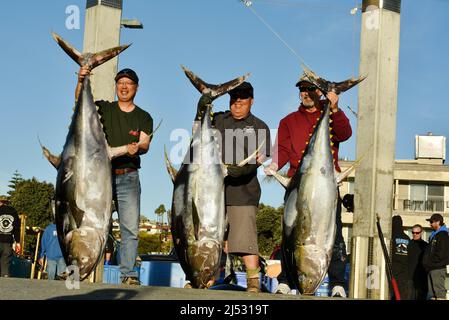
{"x": 309, "y": 89}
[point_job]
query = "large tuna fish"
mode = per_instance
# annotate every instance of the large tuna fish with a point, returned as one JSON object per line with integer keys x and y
{"x": 308, "y": 225}
{"x": 198, "y": 206}
{"x": 83, "y": 197}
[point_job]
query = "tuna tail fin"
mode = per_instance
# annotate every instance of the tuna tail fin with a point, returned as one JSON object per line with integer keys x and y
{"x": 214, "y": 91}
{"x": 171, "y": 170}
{"x": 328, "y": 86}
{"x": 89, "y": 59}
{"x": 54, "y": 160}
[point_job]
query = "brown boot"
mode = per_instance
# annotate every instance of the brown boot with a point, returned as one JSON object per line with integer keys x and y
{"x": 252, "y": 280}
{"x": 253, "y": 285}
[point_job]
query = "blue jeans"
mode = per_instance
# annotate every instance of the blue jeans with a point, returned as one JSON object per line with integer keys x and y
{"x": 126, "y": 190}
{"x": 55, "y": 267}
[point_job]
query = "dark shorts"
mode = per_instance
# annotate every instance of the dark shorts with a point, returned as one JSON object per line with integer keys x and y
{"x": 242, "y": 229}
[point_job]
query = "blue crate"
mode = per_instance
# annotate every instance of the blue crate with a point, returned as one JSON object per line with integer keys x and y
{"x": 323, "y": 289}
{"x": 270, "y": 284}
{"x": 111, "y": 274}
{"x": 162, "y": 273}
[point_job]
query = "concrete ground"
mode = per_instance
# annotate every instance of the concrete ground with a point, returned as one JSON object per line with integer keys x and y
{"x": 27, "y": 289}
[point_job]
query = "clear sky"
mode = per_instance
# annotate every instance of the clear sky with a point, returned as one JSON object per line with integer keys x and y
{"x": 218, "y": 40}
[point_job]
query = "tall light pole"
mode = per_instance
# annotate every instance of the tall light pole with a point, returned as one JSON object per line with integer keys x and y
{"x": 376, "y": 139}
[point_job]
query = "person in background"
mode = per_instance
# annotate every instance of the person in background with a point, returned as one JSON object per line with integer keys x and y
{"x": 51, "y": 249}
{"x": 9, "y": 235}
{"x": 436, "y": 257}
{"x": 399, "y": 257}
{"x": 416, "y": 248}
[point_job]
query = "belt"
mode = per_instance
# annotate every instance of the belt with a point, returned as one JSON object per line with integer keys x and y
{"x": 123, "y": 171}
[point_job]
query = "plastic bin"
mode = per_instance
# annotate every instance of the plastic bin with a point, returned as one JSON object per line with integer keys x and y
{"x": 111, "y": 274}
{"x": 20, "y": 268}
{"x": 162, "y": 273}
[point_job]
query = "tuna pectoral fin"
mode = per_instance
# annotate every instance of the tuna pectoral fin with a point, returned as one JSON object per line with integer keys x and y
{"x": 343, "y": 175}
{"x": 196, "y": 221}
{"x": 282, "y": 179}
{"x": 254, "y": 154}
{"x": 92, "y": 60}
{"x": 54, "y": 160}
{"x": 171, "y": 170}
{"x": 214, "y": 91}
{"x": 147, "y": 139}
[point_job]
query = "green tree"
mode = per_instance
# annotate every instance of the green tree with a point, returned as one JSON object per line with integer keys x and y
{"x": 160, "y": 211}
{"x": 33, "y": 198}
{"x": 151, "y": 243}
{"x": 269, "y": 232}
{"x": 16, "y": 179}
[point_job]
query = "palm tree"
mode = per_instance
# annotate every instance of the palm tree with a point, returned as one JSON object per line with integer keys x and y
{"x": 160, "y": 216}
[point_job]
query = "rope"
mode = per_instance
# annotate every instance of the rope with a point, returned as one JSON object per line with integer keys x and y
{"x": 248, "y": 4}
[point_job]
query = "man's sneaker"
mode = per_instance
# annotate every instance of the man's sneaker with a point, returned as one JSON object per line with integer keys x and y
{"x": 283, "y": 288}
{"x": 253, "y": 285}
{"x": 338, "y": 292}
{"x": 132, "y": 281}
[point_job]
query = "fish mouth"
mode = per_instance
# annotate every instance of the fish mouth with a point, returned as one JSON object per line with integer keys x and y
{"x": 312, "y": 267}
{"x": 84, "y": 253}
{"x": 204, "y": 259}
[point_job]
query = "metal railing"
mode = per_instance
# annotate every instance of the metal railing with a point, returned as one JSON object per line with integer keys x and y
{"x": 424, "y": 205}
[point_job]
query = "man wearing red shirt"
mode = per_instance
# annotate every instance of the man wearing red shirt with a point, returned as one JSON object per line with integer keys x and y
{"x": 294, "y": 133}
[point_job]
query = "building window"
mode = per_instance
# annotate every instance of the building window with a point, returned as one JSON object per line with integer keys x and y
{"x": 351, "y": 186}
{"x": 425, "y": 197}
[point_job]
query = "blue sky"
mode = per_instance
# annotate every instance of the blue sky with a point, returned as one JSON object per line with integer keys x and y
{"x": 218, "y": 40}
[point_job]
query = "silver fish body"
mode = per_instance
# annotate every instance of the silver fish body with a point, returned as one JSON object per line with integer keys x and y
{"x": 83, "y": 197}
{"x": 311, "y": 199}
{"x": 310, "y": 212}
{"x": 198, "y": 208}
{"x": 198, "y": 221}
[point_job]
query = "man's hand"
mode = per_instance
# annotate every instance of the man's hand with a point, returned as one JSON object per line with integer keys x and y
{"x": 204, "y": 101}
{"x": 272, "y": 167}
{"x": 17, "y": 248}
{"x": 132, "y": 148}
{"x": 41, "y": 261}
{"x": 333, "y": 101}
{"x": 83, "y": 72}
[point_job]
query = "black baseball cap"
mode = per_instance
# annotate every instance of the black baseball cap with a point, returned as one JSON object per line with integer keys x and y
{"x": 244, "y": 90}
{"x": 128, "y": 73}
{"x": 436, "y": 217}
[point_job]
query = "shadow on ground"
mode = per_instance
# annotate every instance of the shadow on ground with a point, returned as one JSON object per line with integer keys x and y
{"x": 103, "y": 294}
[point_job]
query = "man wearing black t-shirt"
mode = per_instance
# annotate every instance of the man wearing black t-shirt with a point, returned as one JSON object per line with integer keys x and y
{"x": 9, "y": 233}
{"x": 128, "y": 131}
